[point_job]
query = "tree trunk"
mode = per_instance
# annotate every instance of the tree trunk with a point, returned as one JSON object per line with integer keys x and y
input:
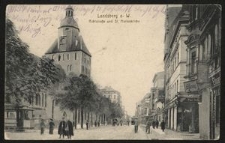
{"x": 78, "y": 115}
{"x": 75, "y": 124}
{"x": 53, "y": 106}
{"x": 91, "y": 119}
{"x": 82, "y": 117}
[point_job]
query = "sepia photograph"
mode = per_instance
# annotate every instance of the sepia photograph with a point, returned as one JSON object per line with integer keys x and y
{"x": 112, "y": 72}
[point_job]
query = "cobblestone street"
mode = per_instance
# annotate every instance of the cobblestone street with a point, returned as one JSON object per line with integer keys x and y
{"x": 104, "y": 133}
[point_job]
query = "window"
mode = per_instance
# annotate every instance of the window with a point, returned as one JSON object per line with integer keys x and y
{"x": 68, "y": 56}
{"x": 59, "y": 57}
{"x": 70, "y": 67}
{"x": 45, "y": 100}
{"x": 36, "y": 99}
{"x": 82, "y": 69}
{"x": 177, "y": 85}
{"x": 193, "y": 62}
{"x": 63, "y": 57}
{"x": 75, "y": 56}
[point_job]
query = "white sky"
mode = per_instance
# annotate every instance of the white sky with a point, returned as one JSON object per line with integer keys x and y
{"x": 133, "y": 52}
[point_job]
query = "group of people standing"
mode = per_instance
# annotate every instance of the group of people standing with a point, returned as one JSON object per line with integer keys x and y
{"x": 154, "y": 124}
{"x": 97, "y": 124}
{"x": 65, "y": 127}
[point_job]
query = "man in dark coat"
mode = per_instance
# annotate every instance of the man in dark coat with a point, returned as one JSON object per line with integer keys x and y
{"x": 95, "y": 123}
{"x": 157, "y": 124}
{"x": 42, "y": 126}
{"x": 61, "y": 129}
{"x": 153, "y": 124}
{"x": 87, "y": 124}
{"x": 69, "y": 129}
{"x": 136, "y": 126}
{"x": 128, "y": 122}
{"x": 98, "y": 123}
{"x": 51, "y": 126}
{"x": 121, "y": 122}
{"x": 148, "y": 124}
{"x": 163, "y": 125}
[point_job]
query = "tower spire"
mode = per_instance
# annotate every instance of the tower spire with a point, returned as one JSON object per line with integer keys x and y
{"x": 69, "y": 11}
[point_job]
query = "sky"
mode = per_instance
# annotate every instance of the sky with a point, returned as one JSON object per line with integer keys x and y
{"x": 125, "y": 56}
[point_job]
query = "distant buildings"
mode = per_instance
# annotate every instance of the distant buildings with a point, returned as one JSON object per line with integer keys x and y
{"x": 112, "y": 94}
{"x": 158, "y": 96}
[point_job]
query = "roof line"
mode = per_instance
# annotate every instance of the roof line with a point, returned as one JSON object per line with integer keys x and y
{"x": 68, "y": 51}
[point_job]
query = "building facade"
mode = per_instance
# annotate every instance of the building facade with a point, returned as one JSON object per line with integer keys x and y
{"x": 181, "y": 108}
{"x": 203, "y": 65}
{"x": 71, "y": 53}
{"x": 158, "y": 95}
{"x": 112, "y": 94}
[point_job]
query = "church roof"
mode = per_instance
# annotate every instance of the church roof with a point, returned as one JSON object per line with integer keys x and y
{"x": 81, "y": 46}
{"x": 69, "y": 21}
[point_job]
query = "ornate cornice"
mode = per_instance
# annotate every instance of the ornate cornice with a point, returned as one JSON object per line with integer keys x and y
{"x": 192, "y": 38}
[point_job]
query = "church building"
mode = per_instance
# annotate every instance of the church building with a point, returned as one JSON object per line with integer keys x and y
{"x": 69, "y": 51}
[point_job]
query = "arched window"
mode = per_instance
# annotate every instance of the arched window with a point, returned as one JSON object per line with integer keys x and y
{"x": 59, "y": 57}
{"x": 70, "y": 67}
{"x": 43, "y": 98}
{"x": 63, "y": 57}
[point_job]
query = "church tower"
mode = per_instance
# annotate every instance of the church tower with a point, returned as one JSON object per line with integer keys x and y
{"x": 69, "y": 49}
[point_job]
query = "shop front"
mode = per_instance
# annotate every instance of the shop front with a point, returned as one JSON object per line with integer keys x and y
{"x": 215, "y": 99}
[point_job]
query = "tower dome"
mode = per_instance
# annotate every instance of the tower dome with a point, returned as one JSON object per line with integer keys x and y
{"x": 69, "y": 20}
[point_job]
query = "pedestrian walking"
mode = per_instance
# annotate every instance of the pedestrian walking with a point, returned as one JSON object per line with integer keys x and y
{"x": 163, "y": 125}
{"x": 148, "y": 124}
{"x": 69, "y": 129}
{"x": 51, "y": 126}
{"x": 121, "y": 122}
{"x": 42, "y": 126}
{"x": 128, "y": 122}
{"x": 95, "y": 123}
{"x": 98, "y": 123}
{"x": 61, "y": 128}
{"x": 153, "y": 124}
{"x": 157, "y": 124}
{"x": 136, "y": 126}
{"x": 87, "y": 124}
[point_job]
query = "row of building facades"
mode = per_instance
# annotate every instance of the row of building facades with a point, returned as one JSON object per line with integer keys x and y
{"x": 186, "y": 95}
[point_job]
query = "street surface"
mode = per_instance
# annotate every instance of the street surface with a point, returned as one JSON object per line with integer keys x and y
{"x": 103, "y": 133}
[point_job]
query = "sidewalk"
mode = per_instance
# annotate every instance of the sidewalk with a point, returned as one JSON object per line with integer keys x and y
{"x": 173, "y": 135}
